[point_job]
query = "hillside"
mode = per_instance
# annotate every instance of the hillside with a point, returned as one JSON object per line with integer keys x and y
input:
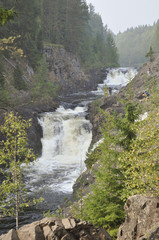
{"x": 138, "y": 161}
{"x": 133, "y": 44}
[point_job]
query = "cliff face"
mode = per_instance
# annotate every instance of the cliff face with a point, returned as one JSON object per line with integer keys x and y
{"x": 65, "y": 70}
{"x": 142, "y": 219}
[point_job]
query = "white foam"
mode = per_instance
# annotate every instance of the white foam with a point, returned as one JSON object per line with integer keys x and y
{"x": 66, "y": 138}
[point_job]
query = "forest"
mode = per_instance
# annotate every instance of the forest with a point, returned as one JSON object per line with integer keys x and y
{"x": 72, "y": 24}
{"x": 134, "y": 43}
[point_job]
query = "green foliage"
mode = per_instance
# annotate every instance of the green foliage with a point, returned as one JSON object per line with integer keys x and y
{"x": 42, "y": 87}
{"x": 70, "y": 23}
{"x": 126, "y": 125}
{"x": 57, "y": 214}
{"x": 155, "y": 39}
{"x": 140, "y": 164}
{"x": 80, "y": 30}
{"x": 4, "y": 96}
{"x": 122, "y": 172}
{"x": 2, "y": 78}
{"x": 92, "y": 157}
{"x": 28, "y": 25}
{"x": 133, "y": 45}
{"x": 103, "y": 206}
{"x": 13, "y": 152}
{"x": 19, "y": 82}
{"x": 6, "y": 15}
{"x": 150, "y": 54}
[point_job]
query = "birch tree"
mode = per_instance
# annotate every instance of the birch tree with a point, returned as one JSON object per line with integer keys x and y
{"x": 13, "y": 152}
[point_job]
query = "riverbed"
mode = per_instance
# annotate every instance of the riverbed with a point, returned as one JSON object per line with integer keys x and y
{"x": 67, "y": 135}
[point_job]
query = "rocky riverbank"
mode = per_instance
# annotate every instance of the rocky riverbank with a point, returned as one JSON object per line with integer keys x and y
{"x": 141, "y": 223}
{"x": 57, "y": 229}
{"x": 143, "y": 81}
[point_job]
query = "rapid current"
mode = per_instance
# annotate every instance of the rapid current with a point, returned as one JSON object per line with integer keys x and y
{"x": 66, "y": 139}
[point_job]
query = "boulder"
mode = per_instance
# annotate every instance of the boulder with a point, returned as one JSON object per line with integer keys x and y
{"x": 57, "y": 229}
{"x": 142, "y": 219}
{"x": 11, "y": 235}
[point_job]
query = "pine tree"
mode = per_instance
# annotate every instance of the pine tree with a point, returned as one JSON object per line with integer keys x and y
{"x": 155, "y": 39}
{"x": 150, "y": 54}
{"x": 2, "y": 78}
{"x": 19, "y": 82}
{"x": 103, "y": 206}
{"x": 126, "y": 125}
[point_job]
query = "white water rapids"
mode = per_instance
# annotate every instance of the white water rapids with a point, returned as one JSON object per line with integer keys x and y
{"x": 66, "y": 139}
{"x": 116, "y": 78}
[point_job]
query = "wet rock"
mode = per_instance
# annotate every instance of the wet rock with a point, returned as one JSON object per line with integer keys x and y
{"x": 57, "y": 229}
{"x": 142, "y": 219}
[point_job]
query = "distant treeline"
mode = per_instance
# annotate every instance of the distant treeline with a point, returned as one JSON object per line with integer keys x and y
{"x": 134, "y": 43}
{"x": 70, "y": 23}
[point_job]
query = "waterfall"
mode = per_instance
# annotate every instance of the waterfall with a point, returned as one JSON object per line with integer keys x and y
{"x": 66, "y": 138}
{"x": 67, "y": 135}
{"x": 116, "y": 78}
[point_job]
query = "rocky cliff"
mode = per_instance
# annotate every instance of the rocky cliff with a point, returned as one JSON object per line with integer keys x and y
{"x": 142, "y": 219}
{"x": 65, "y": 70}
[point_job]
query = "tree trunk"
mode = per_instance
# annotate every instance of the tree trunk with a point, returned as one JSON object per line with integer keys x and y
{"x": 17, "y": 223}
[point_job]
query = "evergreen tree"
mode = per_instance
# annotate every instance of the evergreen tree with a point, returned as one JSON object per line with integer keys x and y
{"x": 103, "y": 206}
{"x": 111, "y": 50}
{"x": 19, "y": 82}
{"x": 41, "y": 83}
{"x": 30, "y": 16}
{"x": 125, "y": 125}
{"x": 155, "y": 39}
{"x": 4, "y": 96}
{"x": 133, "y": 44}
{"x": 2, "y": 78}
{"x": 150, "y": 54}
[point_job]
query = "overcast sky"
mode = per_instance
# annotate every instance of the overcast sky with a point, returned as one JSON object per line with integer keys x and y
{"x": 122, "y": 14}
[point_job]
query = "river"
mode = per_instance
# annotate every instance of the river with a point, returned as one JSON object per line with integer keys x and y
{"x": 67, "y": 135}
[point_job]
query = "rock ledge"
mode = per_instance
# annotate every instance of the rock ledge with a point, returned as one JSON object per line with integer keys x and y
{"x": 57, "y": 229}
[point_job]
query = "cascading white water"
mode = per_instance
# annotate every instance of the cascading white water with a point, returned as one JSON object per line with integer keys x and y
{"x": 116, "y": 78}
{"x": 66, "y": 139}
